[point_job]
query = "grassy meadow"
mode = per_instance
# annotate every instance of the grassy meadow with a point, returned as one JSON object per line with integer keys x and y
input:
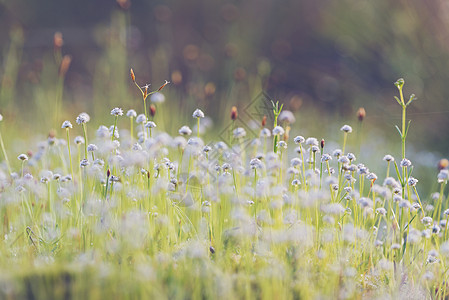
{"x": 144, "y": 192}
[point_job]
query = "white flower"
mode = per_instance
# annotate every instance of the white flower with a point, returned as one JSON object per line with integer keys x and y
{"x": 117, "y": 112}
{"x": 131, "y": 113}
{"x": 388, "y": 158}
{"x": 265, "y": 132}
{"x": 92, "y": 147}
{"x": 79, "y": 140}
{"x": 412, "y": 181}
{"x": 311, "y": 141}
{"x": 66, "y": 124}
{"x": 82, "y": 118}
{"x": 299, "y": 139}
{"x": 278, "y": 130}
{"x": 346, "y": 128}
{"x": 157, "y": 98}
{"x": 141, "y": 118}
{"x": 1, "y": 118}
{"x": 22, "y": 157}
{"x": 150, "y": 124}
{"x": 287, "y": 116}
{"x": 198, "y": 113}
{"x": 239, "y": 132}
{"x": 405, "y": 163}
{"x": 185, "y": 130}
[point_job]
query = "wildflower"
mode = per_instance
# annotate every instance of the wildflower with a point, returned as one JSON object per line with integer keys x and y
{"x": 343, "y": 160}
{"x": 150, "y": 124}
{"x": 157, "y": 98}
{"x": 381, "y": 211}
{"x": 141, "y": 118}
{"x": 346, "y": 129}
{"x": 371, "y": 176}
{"x": 426, "y": 220}
{"x": 84, "y": 163}
{"x": 152, "y": 110}
{"x": 446, "y": 212}
{"x": 337, "y": 153}
{"x": 351, "y": 156}
{"x": 282, "y": 144}
{"x": 66, "y": 124}
{"x": 278, "y": 130}
{"x": 311, "y": 141}
{"x": 388, "y": 158}
{"x": 287, "y": 117}
{"x": 412, "y": 181}
{"x": 117, "y": 112}
{"x": 443, "y": 176}
{"x": 207, "y": 149}
{"x": 443, "y": 164}
{"x": 296, "y": 182}
{"x": 314, "y": 149}
{"x": 198, "y": 114}
{"x": 131, "y": 113}
{"x": 185, "y": 130}
{"x": 265, "y": 132}
{"x": 79, "y": 140}
{"x": 295, "y": 162}
{"x": 405, "y": 163}
{"x": 92, "y": 147}
{"x": 299, "y": 139}
{"x": 103, "y": 132}
{"x": 255, "y": 163}
{"x": 239, "y": 132}
{"x": 82, "y": 118}
{"x": 23, "y": 157}
{"x": 326, "y": 157}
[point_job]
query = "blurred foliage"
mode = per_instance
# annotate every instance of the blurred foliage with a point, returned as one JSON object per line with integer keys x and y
{"x": 329, "y": 57}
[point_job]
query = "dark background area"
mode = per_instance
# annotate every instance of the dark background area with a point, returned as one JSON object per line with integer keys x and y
{"x": 329, "y": 56}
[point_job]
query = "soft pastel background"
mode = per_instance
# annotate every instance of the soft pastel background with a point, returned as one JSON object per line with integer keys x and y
{"x": 323, "y": 59}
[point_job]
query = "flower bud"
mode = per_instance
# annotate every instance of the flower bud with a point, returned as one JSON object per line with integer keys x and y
{"x": 234, "y": 113}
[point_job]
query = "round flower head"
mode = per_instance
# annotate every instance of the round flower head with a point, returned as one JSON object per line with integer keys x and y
{"x": 82, "y": 118}
{"x": 405, "y": 163}
{"x": 198, "y": 113}
{"x": 265, "y": 132}
{"x": 287, "y": 116}
{"x": 66, "y": 124}
{"x": 282, "y": 144}
{"x": 388, "y": 158}
{"x": 326, "y": 157}
{"x": 131, "y": 113}
{"x": 117, "y": 112}
{"x": 337, "y": 153}
{"x": 22, "y": 157}
{"x": 206, "y": 149}
{"x": 255, "y": 163}
{"x": 103, "y": 132}
{"x": 157, "y": 98}
{"x": 141, "y": 118}
{"x": 299, "y": 139}
{"x": 239, "y": 132}
{"x": 295, "y": 162}
{"x": 79, "y": 140}
{"x": 412, "y": 181}
{"x": 1, "y": 118}
{"x": 278, "y": 130}
{"x": 351, "y": 156}
{"x": 443, "y": 176}
{"x": 150, "y": 124}
{"x": 185, "y": 130}
{"x": 84, "y": 163}
{"x": 346, "y": 128}
{"x": 92, "y": 147}
{"x": 311, "y": 141}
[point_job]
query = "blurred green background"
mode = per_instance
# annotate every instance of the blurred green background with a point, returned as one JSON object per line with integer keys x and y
{"x": 323, "y": 59}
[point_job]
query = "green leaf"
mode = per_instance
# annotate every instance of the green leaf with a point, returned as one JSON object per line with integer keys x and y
{"x": 397, "y": 172}
{"x": 408, "y": 126}
{"x": 400, "y": 133}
